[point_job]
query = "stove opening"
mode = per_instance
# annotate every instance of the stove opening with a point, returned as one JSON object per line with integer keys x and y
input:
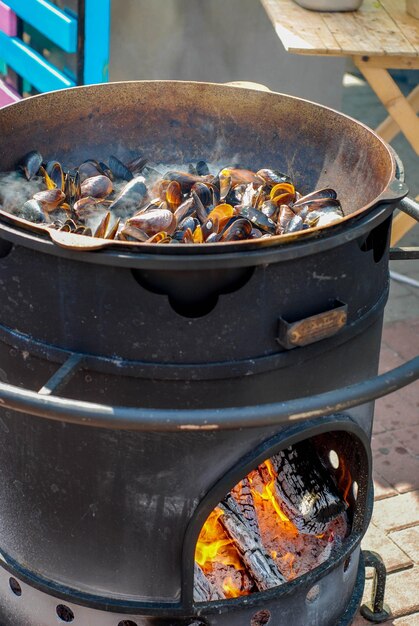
{"x": 286, "y": 517}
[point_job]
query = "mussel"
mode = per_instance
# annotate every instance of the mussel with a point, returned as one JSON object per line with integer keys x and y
{"x": 130, "y": 199}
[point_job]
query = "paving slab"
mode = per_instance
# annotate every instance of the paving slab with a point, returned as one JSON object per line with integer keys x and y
{"x": 410, "y": 620}
{"x": 409, "y": 437}
{"x": 408, "y": 541}
{"x": 393, "y": 461}
{"x": 382, "y": 489}
{"x": 398, "y": 512}
{"x": 394, "y": 557}
{"x": 402, "y": 338}
{"x": 395, "y": 411}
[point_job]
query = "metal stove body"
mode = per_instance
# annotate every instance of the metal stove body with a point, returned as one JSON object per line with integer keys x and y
{"x": 230, "y": 361}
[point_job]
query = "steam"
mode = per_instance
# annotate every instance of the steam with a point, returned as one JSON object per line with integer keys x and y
{"x": 15, "y": 190}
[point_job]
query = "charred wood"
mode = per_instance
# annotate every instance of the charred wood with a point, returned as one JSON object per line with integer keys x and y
{"x": 306, "y": 491}
{"x": 259, "y": 564}
{"x": 204, "y": 590}
{"x": 243, "y": 496}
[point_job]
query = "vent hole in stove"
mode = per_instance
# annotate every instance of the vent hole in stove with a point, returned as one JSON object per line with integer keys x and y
{"x": 313, "y": 594}
{"x": 334, "y": 459}
{"x": 127, "y": 622}
{"x": 65, "y": 613}
{"x": 261, "y": 618}
{"x": 15, "y": 587}
{"x": 5, "y": 248}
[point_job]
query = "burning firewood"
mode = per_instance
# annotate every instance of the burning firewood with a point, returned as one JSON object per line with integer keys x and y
{"x": 281, "y": 521}
{"x": 242, "y": 493}
{"x": 306, "y": 491}
{"x": 204, "y": 590}
{"x": 220, "y": 561}
{"x": 258, "y": 562}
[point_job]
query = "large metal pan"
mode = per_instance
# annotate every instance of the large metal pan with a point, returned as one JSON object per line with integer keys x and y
{"x": 181, "y": 122}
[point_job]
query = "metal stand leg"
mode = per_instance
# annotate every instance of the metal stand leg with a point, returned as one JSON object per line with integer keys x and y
{"x": 376, "y": 611}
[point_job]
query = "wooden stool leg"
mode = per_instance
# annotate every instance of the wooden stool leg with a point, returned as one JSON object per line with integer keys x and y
{"x": 392, "y": 98}
{"x": 388, "y": 129}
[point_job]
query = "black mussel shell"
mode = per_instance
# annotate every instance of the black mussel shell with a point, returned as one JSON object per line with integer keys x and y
{"x": 185, "y": 180}
{"x": 88, "y": 169}
{"x": 258, "y": 219}
{"x": 31, "y": 163}
{"x": 120, "y": 170}
{"x": 204, "y": 193}
{"x": 137, "y": 165}
{"x": 319, "y": 194}
{"x": 202, "y": 168}
{"x": 72, "y": 188}
{"x": 186, "y": 208}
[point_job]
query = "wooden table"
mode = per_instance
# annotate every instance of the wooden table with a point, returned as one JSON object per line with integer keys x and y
{"x": 378, "y": 37}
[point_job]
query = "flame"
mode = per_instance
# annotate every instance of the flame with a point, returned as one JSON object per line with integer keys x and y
{"x": 213, "y": 545}
{"x": 344, "y": 479}
{"x": 268, "y": 495}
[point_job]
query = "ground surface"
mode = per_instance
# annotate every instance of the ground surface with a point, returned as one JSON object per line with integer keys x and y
{"x": 394, "y": 531}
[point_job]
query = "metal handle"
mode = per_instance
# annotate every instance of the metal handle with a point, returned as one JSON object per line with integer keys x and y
{"x": 410, "y": 207}
{"x": 376, "y": 611}
{"x": 99, "y": 415}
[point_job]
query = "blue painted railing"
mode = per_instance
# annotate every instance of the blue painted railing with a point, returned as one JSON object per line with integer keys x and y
{"x": 62, "y": 28}
{"x": 58, "y": 25}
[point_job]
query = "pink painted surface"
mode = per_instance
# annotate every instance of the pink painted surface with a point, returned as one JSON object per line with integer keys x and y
{"x": 7, "y": 94}
{"x": 8, "y": 20}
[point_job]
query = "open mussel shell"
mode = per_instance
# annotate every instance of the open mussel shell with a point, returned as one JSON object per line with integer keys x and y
{"x": 204, "y": 193}
{"x": 56, "y": 173}
{"x": 173, "y": 195}
{"x": 89, "y": 168}
{"x": 72, "y": 187}
{"x": 237, "y": 229}
{"x": 319, "y": 194}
